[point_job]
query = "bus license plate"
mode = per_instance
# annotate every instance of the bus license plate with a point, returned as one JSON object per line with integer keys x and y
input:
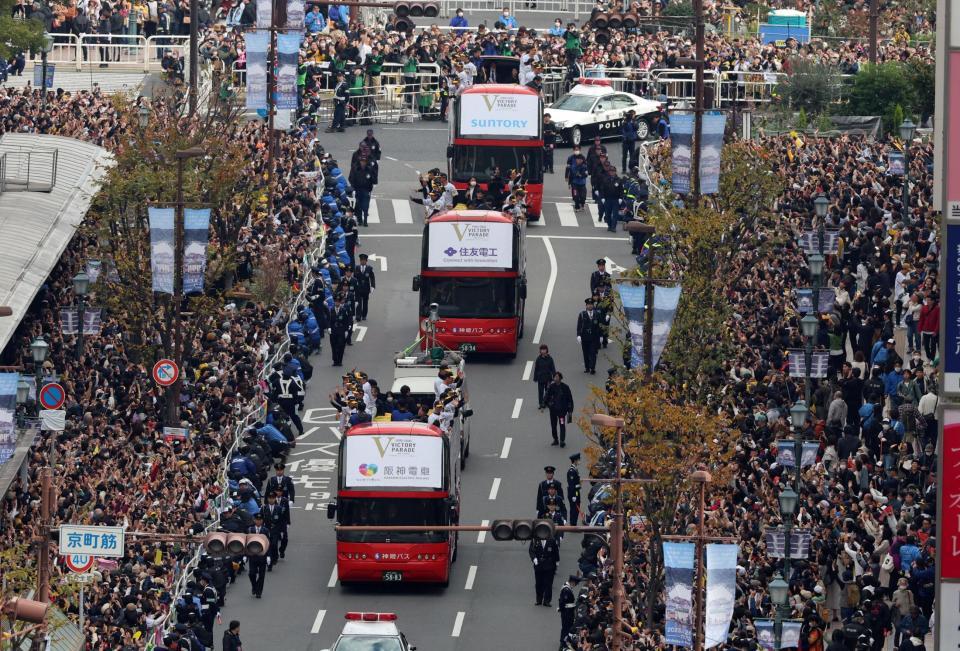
{"x": 393, "y": 577}
{"x": 468, "y": 348}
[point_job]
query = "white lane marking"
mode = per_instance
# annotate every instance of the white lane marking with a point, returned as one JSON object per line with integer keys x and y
{"x": 548, "y": 295}
{"x": 458, "y": 624}
{"x": 482, "y": 535}
{"x": 495, "y": 488}
{"x": 318, "y": 622}
{"x": 309, "y": 506}
{"x": 471, "y": 577}
{"x": 307, "y": 433}
{"x": 516, "y": 408}
{"x": 336, "y": 432}
{"x": 332, "y": 583}
{"x": 401, "y": 210}
{"x": 391, "y": 158}
{"x": 373, "y": 213}
{"x": 595, "y": 215}
{"x": 359, "y": 332}
{"x": 527, "y": 370}
{"x": 381, "y": 258}
{"x": 567, "y": 216}
{"x": 505, "y": 452}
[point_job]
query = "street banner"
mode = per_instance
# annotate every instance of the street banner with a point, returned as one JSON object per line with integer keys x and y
{"x": 828, "y": 298}
{"x": 257, "y": 44}
{"x": 681, "y": 146}
{"x": 766, "y": 636}
{"x": 790, "y": 634}
{"x": 665, "y": 302}
{"x": 8, "y": 411}
{"x": 714, "y": 122}
{"x": 721, "y": 592}
{"x": 196, "y": 230}
{"x": 896, "y": 165}
{"x": 161, "y": 249}
{"x": 678, "y": 561}
{"x": 809, "y": 242}
{"x": 288, "y": 51}
{"x": 948, "y": 487}
{"x": 264, "y": 14}
{"x": 92, "y": 321}
{"x": 808, "y": 454}
{"x": 950, "y": 353}
{"x": 785, "y": 454}
{"x": 295, "y": 14}
{"x": 68, "y": 322}
{"x": 776, "y": 541}
{"x": 804, "y": 300}
{"x": 819, "y": 363}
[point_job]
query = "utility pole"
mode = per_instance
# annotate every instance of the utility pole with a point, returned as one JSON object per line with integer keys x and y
{"x": 173, "y": 393}
{"x": 278, "y": 7}
{"x": 874, "y": 11}
{"x": 194, "y": 64}
{"x": 698, "y": 103}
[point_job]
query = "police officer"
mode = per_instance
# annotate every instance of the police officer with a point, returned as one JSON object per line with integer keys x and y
{"x": 552, "y": 499}
{"x": 573, "y": 488}
{"x": 341, "y": 323}
{"x": 542, "y": 489}
{"x": 258, "y": 564}
{"x": 366, "y": 282}
{"x": 209, "y": 602}
{"x": 276, "y": 518}
{"x": 567, "y": 605}
{"x": 341, "y": 93}
{"x": 282, "y": 482}
{"x": 549, "y": 143}
{"x": 588, "y": 336}
{"x": 545, "y": 555}
{"x": 628, "y": 138}
{"x": 290, "y": 396}
{"x": 599, "y": 277}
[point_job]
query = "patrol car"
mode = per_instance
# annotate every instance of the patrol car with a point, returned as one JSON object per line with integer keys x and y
{"x": 594, "y": 108}
{"x": 371, "y": 632}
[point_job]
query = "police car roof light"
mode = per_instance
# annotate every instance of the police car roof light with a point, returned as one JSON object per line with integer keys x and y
{"x": 371, "y": 617}
{"x": 594, "y": 81}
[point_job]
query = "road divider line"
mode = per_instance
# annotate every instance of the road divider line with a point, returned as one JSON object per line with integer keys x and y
{"x": 373, "y": 213}
{"x": 482, "y": 535}
{"x": 505, "y": 452}
{"x": 495, "y": 488}
{"x": 307, "y": 433}
{"x": 527, "y": 370}
{"x": 309, "y": 506}
{"x": 401, "y": 211}
{"x": 318, "y": 622}
{"x": 471, "y": 577}
{"x": 595, "y": 216}
{"x": 551, "y": 281}
{"x": 516, "y": 408}
{"x": 332, "y": 583}
{"x": 458, "y": 624}
{"x": 567, "y": 216}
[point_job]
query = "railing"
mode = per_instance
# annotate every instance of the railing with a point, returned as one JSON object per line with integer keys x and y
{"x": 576, "y": 7}
{"x": 117, "y": 51}
{"x": 20, "y": 172}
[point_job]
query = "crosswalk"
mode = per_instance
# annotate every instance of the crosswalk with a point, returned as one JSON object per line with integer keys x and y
{"x": 553, "y": 214}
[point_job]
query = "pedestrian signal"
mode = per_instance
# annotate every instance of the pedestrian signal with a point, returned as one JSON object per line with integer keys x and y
{"x": 522, "y": 529}
{"x": 236, "y": 544}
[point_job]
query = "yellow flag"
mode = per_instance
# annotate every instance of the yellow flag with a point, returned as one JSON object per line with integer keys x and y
{"x": 158, "y": 557}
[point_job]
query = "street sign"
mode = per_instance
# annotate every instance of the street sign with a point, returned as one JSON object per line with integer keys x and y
{"x": 53, "y": 420}
{"x": 175, "y": 433}
{"x": 165, "y": 372}
{"x": 92, "y": 541}
{"x": 52, "y": 396}
{"x": 79, "y": 563}
{"x": 81, "y": 578}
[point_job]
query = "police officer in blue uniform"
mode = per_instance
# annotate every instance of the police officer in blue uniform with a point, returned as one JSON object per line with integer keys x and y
{"x": 542, "y": 491}
{"x": 567, "y": 605}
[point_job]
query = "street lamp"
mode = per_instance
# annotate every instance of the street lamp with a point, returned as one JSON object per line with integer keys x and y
{"x": 779, "y": 590}
{"x": 798, "y": 414}
{"x": 23, "y": 394}
{"x": 39, "y": 349}
{"x": 907, "y": 130}
{"x": 144, "y": 113}
{"x": 788, "y": 499}
{"x": 820, "y": 205}
{"x": 81, "y": 285}
{"x": 816, "y": 262}
{"x": 45, "y": 49}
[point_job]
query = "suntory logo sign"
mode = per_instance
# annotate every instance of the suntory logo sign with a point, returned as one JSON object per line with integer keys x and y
{"x": 500, "y": 115}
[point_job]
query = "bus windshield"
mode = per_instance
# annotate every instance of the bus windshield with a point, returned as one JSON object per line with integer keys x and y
{"x": 471, "y": 297}
{"x": 385, "y": 511}
{"x": 480, "y": 161}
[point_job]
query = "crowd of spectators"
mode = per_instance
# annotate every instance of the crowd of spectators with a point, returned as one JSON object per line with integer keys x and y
{"x": 869, "y": 501}
{"x": 111, "y": 466}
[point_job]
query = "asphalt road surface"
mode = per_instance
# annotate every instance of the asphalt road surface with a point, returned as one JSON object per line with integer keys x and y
{"x": 489, "y": 603}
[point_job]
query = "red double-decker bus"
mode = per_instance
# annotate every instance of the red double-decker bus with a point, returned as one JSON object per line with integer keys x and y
{"x": 396, "y": 473}
{"x": 473, "y": 274}
{"x": 498, "y": 126}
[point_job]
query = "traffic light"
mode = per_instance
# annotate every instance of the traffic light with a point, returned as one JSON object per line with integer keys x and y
{"x": 399, "y": 24}
{"x": 417, "y": 9}
{"x": 522, "y": 529}
{"x": 26, "y": 610}
{"x": 236, "y": 544}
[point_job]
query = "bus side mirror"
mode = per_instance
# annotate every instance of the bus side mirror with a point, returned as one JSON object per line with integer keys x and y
{"x": 331, "y": 510}
{"x": 449, "y": 151}
{"x": 523, "y": 289}
{"x": 467, "y": 413}
{"x": 416, "y": 283}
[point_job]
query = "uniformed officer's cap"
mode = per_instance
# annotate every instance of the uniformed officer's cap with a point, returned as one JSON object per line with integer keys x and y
{"x": 278, "y": 466}
{"x": 549, "y": 469}
{"x": 575, "y": 456}
{"x": 258, "y": 516}
{"x": 573, "y": 578}
{"x": 601, "y": 261}
{"x": 589, "y": 301}
{"x": 553, "y": 486}
{"x": 552, "y": 501}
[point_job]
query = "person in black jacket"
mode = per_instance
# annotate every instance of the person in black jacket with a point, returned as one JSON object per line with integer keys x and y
{"x": 362, "y": 178}
{"x": 366, "y": 283}
{"x": 231, "y": 637}
{"x": 545, "y": 555}
{"x": 589, "y": 332}
{"x": 549, "y": 143}
{"x": 560, "y": 402}
{"x": 543, "y": 371}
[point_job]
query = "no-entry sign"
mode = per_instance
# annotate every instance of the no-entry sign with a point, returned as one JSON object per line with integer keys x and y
{"x": 165, "y": 372}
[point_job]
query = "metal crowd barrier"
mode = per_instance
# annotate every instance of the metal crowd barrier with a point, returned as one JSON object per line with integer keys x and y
{"x": 118, "y": 51}
{"x": 576, "y": 7}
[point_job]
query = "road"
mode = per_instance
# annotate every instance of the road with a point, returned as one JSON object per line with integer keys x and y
{"x": 489, "y": 603}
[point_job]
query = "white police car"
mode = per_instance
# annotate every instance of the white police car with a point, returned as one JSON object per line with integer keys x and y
{"x": 594, "y": 108}
{"x": 371, "y": 632}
